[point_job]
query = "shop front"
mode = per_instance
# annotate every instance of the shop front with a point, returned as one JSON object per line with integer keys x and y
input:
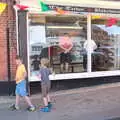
{"x": 81, "y": 41}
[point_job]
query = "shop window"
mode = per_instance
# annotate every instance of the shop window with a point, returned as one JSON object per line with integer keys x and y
{"x": 49, "y": 40}
{"x": 45, "y": 41}
{"x": 37, "y": 40}
{"x": 106, "y": 57}
{"x": 63, "y": 40}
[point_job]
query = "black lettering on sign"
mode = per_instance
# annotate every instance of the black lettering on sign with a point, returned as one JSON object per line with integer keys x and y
{"x": 85, "y": 9}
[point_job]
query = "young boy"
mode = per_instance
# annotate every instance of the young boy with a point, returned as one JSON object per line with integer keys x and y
{"x": 21, "y": 91}
{"x": 45, "y": 84}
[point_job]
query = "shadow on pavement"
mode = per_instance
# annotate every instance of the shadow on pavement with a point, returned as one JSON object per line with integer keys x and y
{"x": 118, "y": 118}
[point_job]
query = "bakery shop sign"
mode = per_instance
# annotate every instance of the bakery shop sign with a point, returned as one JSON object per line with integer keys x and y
{"x": 85, "y": 9}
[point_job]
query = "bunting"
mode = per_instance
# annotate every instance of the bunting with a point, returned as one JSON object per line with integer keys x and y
{"x": 96, "y": 17}
{"x": 2, "y": 7}
{"x": 22, "y": 7}
{"x": 44, "y": 7}
{"x": 111, "y": 22}
{"x": 60, "y": 11}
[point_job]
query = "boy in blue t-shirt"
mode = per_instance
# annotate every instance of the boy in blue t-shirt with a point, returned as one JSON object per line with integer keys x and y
{"x": 45, "y": 84}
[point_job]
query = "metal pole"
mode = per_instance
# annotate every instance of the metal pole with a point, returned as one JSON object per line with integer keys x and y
{"x": 89, "y": 64}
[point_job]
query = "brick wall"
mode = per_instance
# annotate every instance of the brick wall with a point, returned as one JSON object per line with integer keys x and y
{"x": 7, "y": 20}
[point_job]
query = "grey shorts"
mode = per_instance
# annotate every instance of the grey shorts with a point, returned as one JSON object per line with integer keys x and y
{"x": 45, "y": 87}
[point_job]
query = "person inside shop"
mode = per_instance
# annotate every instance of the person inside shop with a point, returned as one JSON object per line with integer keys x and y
{"x": 44, "y": 53}
{"x": 93, "y": 48}
{"x": 101, "y": 58}
{"x": 66, "y": 44}
{"x": 36, "y": 63}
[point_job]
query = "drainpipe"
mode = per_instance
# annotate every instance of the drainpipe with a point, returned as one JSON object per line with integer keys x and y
{"x": 8, "y": 59}
{"x": 16, "y": 16}
{"x": 8, "y": 53}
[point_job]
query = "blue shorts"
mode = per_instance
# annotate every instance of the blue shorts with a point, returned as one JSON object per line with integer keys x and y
{"x": 21, "y": 89}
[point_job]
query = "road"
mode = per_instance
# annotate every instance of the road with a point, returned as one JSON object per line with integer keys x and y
{"x": 94, "y": 103}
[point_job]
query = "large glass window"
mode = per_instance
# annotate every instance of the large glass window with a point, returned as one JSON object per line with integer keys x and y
{"x": 106, "y": 56}
{"x": 62, "y": 40}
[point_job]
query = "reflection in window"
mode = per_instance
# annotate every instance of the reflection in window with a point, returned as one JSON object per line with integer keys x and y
{"x": 106, "y": 56}
{"x": 44, "y": 42}
{"x": 37, "y": 43}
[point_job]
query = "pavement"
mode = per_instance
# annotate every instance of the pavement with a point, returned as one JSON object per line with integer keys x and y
{"x": 88, "y": 103}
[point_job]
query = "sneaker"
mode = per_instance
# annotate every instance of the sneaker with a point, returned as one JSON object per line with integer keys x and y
{"x": 49, "y": 105}
{"x": 45, "y": 109}
{"x": 31, "y": 109}
{"x": 14, "y": 107}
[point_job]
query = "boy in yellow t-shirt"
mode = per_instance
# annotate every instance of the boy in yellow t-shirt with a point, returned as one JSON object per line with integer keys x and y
{"x": 21, "y": 91}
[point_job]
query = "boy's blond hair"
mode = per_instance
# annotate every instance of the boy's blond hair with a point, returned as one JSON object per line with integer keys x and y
{"x": 45, "y": 62}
